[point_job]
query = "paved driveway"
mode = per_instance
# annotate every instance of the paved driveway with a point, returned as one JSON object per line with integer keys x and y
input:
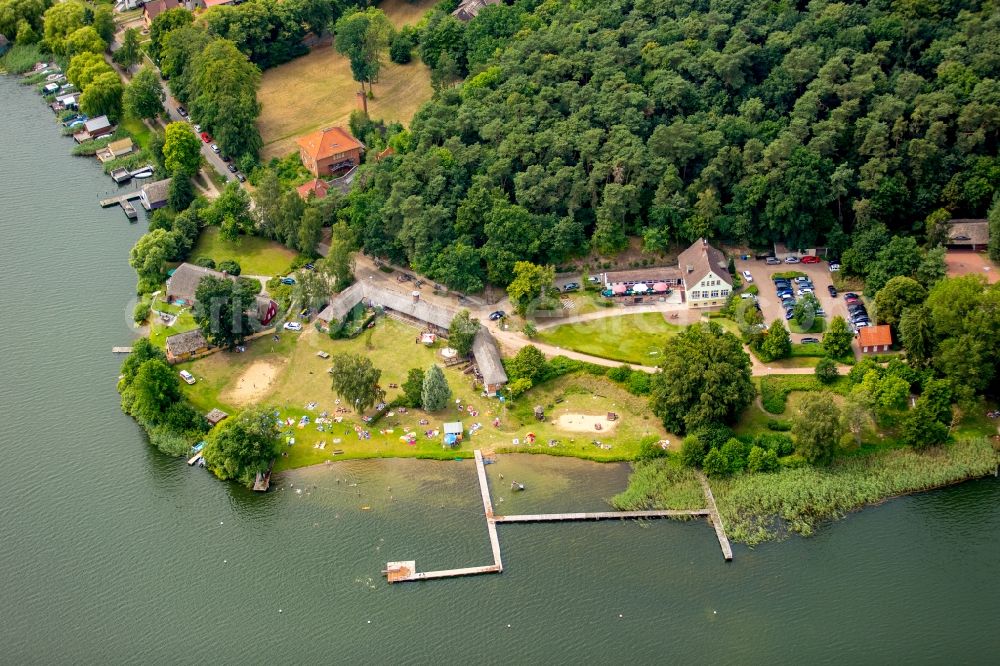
{"x": 770, "y": 304}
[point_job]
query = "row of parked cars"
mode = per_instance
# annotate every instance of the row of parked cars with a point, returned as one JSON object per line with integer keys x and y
{"x": 857, "y": 314}
{"x": 788, "y": 289}
{"x": 207, "y": 138}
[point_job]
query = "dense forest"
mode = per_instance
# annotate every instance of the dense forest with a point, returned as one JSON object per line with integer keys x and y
{"x": 583, "y": 123}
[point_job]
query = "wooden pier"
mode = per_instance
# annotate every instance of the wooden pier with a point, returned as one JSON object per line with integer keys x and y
{"x": 599, "y": 515}
{"x": 118, "y": 199}
{"x": 121, "y": 350}
{"x": 406, "y": 570}
{"x": 720, "y": 531}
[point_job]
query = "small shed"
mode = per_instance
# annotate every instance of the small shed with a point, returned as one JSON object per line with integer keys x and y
{"x": 216, "y": 416}
{"x": 453, "y": 432}
{"x": 973, "y": 234}
{"x": 874, "y": 339}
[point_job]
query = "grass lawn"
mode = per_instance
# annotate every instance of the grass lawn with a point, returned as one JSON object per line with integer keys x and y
{"x": 158, "y": 333}
{"x": 317, "y": 91}
{"x": 636, "y": 338}
{"x": 299, "y": 377}
{"x": 256, "y": 256}
{"x": 139, "y": 131}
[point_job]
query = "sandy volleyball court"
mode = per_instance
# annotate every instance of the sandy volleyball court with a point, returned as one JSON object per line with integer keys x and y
{"x": 585, "y": 423}
{"x": 254, "y": 383}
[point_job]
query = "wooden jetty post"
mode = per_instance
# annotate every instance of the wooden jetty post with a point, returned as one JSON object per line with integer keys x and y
{"x": 720, "y": 531}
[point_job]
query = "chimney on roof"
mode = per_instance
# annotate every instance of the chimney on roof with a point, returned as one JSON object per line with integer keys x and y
{"x": 363, "y": 102}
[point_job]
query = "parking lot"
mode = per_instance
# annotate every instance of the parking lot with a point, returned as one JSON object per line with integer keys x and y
{"x": 770, "y": 304}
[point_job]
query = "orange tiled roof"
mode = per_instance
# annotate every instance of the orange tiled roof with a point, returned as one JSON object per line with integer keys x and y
{"x": 315, "y": 185}
{"x": 328, "y": 142}
{"x": 875, "y": 336}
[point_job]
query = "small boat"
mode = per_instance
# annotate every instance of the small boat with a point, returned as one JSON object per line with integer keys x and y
{"x": 514, "y": 485}
{"x": 198, "y": 447}
{"x": 144, "y": 172}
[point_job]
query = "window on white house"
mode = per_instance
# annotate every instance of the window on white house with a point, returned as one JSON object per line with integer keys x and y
{"x": 715, "y": 293}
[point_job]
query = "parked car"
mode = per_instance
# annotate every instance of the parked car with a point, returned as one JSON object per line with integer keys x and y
{"x": 772, "y": 261}
{"x": 834, "y": 267}
{"x": 593, "y": 279}
{"x": 747, "y": 294}
{"x": 782, "y": 282}
{"x": 240, "y": 177}
{"x": 287, "y": 280}
{"x": 820, "y": 312}
{"x": 499, "y": 314}
{"x": 197, "y": 128}
{"x": 231, "y": 168}
{"x": 851, "y": 294}
{"x": 293, "y": 326}
{"x": 226, "y": 158}
{"x": 309, "y": 267}
{"x": 571, "y": 286}
{"x": 206, "y": 137}
{"x": 833, "y": 290}
{"x": 215, "y": 148}
{"x": 803, "y": 278}
{"x": 182, "y": 111}
{"x": 789, "y": 313}
{"x": 747, "y": 276}
{"x": 804, "y": 290}
{"x": 810, "y": 260}
{"x": 305, "y": 313}
{"x": 187, "y": 376}
{"x": 791, "y": 260}
{"x": 806, "y": 341}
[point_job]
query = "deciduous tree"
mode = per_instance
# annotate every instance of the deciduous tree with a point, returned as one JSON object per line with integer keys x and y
{"x": 529, "y": 282}
{"x": 704, "y": 378}
{"x": 462, "y": 332}
{"x": 817, "y": 427}
{"x": 181, "y": 150}
{"x": 837, "y": 339}
{"x": 143, "y": 97}
{"x": 355, "y": 381}
{"x": 243, "y": 445}
{"x": 220, "y": 310}
{"x": 103, "y": 97}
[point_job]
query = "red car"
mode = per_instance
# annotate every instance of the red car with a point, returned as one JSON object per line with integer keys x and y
{"x": 810, "y": 260}
{"x": 206, "y": 138}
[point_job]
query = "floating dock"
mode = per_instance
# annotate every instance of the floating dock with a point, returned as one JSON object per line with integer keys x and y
{"x": 121, "y": 350}
{"x": 406, "y": 570}
{"x": 130, "y": 211}
{"x": 195, "y": 458}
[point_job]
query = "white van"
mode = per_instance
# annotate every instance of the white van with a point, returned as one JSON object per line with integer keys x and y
{"x": 187, "y": 376}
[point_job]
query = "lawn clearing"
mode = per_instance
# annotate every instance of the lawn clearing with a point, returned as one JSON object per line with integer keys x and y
{"x": 317, "y": 91}
{"x": 256, "y": 256}
{"x": 638, "y": 338}
{"x": 158, "y": 332}
{"x": 297, "y": 384}
{"x": 402, "y": 12}
{"x": 138, "y": 130}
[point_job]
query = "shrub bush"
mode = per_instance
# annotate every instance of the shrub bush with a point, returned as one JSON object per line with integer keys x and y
{"x": 692, "y": 451}
{"x": 778, "y": 425}
{"x": 230, "y": 266}
{"x": 141, "y": 311}
{"x": 205, "y": 262}
{"x": 649, "y": 448}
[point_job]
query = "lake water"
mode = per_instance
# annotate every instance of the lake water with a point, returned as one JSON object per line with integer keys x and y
{"x": 111, "y": 552}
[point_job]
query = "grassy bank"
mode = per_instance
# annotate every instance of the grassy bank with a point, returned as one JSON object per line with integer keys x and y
{"x": 804, "y": 497}
{"x": 760, "y": 507}
{"x": 663, "y": 483}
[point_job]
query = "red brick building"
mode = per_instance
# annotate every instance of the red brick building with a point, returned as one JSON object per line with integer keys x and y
{"x": 875, "y": 339}
{"x": 329, "y": 150}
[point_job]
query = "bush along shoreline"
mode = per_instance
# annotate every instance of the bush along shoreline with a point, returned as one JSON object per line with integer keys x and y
{"x": 761, "y": 507}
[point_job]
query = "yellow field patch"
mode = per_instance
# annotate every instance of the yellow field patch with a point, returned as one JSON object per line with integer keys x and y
{"x": 317, "y": 91}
